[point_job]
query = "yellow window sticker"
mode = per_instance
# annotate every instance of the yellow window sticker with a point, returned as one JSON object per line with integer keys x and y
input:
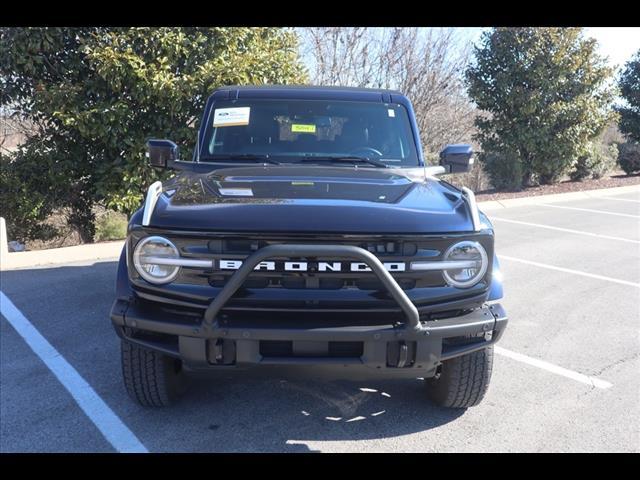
{"x": 300, "y": 128}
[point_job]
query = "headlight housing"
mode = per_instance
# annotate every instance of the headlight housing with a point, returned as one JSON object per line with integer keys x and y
{"x": 154, "y": 259}
{"x": 466, "y": 251}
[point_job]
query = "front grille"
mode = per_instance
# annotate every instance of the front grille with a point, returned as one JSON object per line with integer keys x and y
{"x": 339, "y": 291}
{"x": 298, "y": 282}
{"x": 249, "y": 245}
{"x": 343, "y": 293}
{"x": 238, "y": 248}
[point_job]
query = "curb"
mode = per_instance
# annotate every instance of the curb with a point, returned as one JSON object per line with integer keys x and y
{"x": 557, "y": 197}
{"x": 111, "y": 250}
{"x": 77, "y": 253}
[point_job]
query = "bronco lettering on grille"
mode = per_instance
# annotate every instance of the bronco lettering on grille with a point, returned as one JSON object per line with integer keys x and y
{"x": 295, "y": 266}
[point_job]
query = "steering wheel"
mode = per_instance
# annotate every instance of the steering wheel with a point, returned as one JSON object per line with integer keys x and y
{"x": 366, "y": 149}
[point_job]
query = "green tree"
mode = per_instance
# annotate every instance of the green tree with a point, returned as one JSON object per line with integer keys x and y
{"x": 99, "y": 93}
{"x": 545, "y": 95}
{"x": 28, "y": 189}
{"x": 629, "y": 157}
{"x": 630, "y": 90}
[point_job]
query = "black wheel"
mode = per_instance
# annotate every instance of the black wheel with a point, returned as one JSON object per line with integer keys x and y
{"x": 463, "y": 381}
{"x": 151, "y": 378}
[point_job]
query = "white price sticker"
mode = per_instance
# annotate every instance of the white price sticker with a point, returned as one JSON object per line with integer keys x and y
{"x": 231, "y": 117}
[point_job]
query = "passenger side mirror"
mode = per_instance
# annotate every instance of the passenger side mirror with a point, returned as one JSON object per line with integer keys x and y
{"x": 457, "y": 158}
{"x": 161, "y": 153}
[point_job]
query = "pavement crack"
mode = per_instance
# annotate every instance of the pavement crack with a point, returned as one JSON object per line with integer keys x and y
{"x": 616, "y": 363}
{"x": 586, "y": 392}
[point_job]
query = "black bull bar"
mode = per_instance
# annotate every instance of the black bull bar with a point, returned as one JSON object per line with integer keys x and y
{"x": 295, "y": 251}
{"x": 193, "y": 338}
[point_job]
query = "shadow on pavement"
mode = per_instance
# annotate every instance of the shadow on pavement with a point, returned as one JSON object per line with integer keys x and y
{"x": 247, "y": 411}
{"x": 284, "y": 413}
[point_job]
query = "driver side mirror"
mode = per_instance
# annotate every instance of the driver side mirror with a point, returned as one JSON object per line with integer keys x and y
{"x": 457, "y": 158}
{"x": 161, "y": 153}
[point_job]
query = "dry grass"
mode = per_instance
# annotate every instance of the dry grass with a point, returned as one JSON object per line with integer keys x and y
{"x": 110, "y": 225}
{"x": 614, "y": 179}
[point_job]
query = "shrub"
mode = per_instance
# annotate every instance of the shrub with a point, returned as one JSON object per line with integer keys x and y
{"x": 23, "y": 203}
{"x": 504, "y": 170}
{"x": 596, "y": 162}
{"x": 98, "y": 93}
{"x": 546, "y": 92}
{"x": 41, "y": 177}
{"x": 630, "y": 91}
{"x": 111, "y": 226}
{"x": 629, "y": 157}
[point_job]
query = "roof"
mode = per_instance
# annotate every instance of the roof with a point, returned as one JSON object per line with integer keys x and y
{"x": 309, "y": 87}
{"x": 307, "y": 92}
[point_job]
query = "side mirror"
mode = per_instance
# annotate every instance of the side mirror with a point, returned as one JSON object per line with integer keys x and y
{"x": 161, "y": 153}
{"x": 457, "y": 158}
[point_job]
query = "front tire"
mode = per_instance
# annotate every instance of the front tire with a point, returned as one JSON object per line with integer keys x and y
{"x": 463, "y": 381}
{"x": 151, "y": 378}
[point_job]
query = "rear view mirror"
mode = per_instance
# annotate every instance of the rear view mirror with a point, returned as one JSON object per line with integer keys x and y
{"x": 161, "y": 153}
{"x": 457, "y": 158}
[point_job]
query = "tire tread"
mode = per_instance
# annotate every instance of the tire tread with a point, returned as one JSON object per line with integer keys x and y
{"x": 145, "y": 376}
{"x": 464, "y": 380}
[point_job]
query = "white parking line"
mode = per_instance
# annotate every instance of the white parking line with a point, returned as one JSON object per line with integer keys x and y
{"x": 567, "y": 230}
{"x": 550, "y": 367}
{"x": 109, "y": 424}
{"x": 569, "y": 270}
{"x": 621, "y": 199}
{"x": 589, "y": 210}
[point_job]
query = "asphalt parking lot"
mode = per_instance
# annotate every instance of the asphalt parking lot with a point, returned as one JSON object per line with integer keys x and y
{"x": 565, "y": 375}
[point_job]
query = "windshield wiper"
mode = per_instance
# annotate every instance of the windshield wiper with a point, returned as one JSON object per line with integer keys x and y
{"x": 348, "y": 158}
{"x": 263, "y": 158}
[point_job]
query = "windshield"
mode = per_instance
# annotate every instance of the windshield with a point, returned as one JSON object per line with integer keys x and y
{"x": 288, "y": 130}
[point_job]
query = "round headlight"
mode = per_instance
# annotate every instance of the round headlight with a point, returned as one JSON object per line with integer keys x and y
{"x": 475, "y": 259}
{"x": 153, "y": 257}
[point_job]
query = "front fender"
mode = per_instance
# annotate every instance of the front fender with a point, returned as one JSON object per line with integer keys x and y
{"x": 495, "y": 291}
{"x": 123, "y": 286}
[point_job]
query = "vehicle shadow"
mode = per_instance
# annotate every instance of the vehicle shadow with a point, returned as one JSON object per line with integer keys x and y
{"x": 252, "y": 411}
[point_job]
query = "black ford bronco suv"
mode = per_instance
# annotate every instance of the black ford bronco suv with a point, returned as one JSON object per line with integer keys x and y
{"x": 307, "y": 232}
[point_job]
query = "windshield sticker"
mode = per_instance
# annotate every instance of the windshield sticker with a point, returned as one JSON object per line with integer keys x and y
{"x": 392, "y": 112}
{"x": 236, "y": 192}
{"x": 300, "y": 128}
{"x": 231, "y": 117}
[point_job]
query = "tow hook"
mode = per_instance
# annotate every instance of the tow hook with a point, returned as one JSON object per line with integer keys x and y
{"x": 217, "y": 350}
{"x": 403, "y": 354}
{"x": 400, "y": 354}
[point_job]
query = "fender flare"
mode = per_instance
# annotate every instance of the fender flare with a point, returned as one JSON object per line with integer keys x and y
{"x": 123, "y": 286}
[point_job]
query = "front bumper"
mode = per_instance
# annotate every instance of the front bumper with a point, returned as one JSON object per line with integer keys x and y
{"x": 210, "y": 342}
{"x": 226, "y": 347}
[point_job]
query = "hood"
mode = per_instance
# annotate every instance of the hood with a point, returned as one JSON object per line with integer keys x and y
{"x": 312, "y": 199}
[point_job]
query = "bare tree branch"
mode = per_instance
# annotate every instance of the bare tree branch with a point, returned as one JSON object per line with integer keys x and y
{"x": 425, "y": 64}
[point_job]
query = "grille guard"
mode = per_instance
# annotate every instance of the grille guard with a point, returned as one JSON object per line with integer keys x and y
{"x": 338, "y": 251}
